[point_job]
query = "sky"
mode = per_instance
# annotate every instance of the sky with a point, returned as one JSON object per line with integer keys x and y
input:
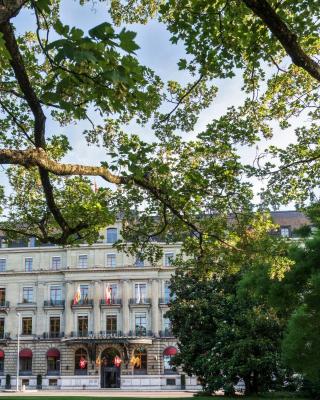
{"x": 157, "y": 52}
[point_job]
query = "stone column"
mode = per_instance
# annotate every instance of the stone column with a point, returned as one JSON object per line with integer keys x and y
{"x": 155, "y": 307}
{"x": 96, "y": 307}
{"x": 125, "y": 307}
{"x": 68, "y": 322}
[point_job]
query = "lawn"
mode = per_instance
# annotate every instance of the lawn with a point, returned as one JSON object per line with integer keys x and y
{"x": 270, "y": 396}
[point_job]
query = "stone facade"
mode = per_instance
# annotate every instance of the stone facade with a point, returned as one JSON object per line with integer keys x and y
{"x": 40, "y": 283}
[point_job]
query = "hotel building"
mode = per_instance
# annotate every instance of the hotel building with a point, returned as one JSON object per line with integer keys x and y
{"x": 90, "y": 317}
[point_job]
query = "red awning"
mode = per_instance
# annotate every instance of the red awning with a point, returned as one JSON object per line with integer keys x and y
{"x": 53, "y": 353}
{"x": 26, "y": 353}
{"x": 1, "y": 354}
{"x": 170, "y": 351}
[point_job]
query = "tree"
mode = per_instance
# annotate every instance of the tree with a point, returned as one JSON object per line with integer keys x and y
{"x": 65, "y": 79}
{"x": 223, "y": 335}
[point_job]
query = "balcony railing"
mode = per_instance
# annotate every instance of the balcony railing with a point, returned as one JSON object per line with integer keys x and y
{"x": 4, "y": 304}
{"x": 166, "y": 333}
{"x": 164, "y": 300}
{"x": 4, "y": 335}
{"x": 111, "y": 333}
{"x": 135, "y": 301}
{"x": 53, "y": 303}
{"x": 83, "y": 303}
{"x": 140, "y": 332}
{"x": 111, "y": 302}
{"x": 53, "y": 335}
{"x": 82, "y": 334}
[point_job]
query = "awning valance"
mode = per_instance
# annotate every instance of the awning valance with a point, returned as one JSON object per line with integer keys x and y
{"x": 53, "y": 353}
{"x": 1, "y": 354}
{"x": 26, "y": 353}
{"x": 170, "y": 351}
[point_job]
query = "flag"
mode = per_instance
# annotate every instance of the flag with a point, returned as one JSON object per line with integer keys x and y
{"x": 117, "y": 361}
{"x": 77, "y": 296}
{"x": 108, "y": 294}
{"x": 83, "y": 363}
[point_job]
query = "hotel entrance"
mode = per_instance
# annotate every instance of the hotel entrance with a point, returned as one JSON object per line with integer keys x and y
{"x": 110, "y": 372}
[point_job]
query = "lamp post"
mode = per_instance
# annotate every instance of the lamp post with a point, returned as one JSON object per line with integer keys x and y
{"x": 18, "y": 350}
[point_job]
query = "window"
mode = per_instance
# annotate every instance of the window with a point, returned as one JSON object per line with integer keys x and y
{"x": 113, "y": 290}
{"x": 2, "y": 296}
{"x": 84, "y": 290}
{"x": 141, "y": 324}
{"x": 168, "y": 258}
{"x": 167, "y": 325}
{"x": 3, "y": 263}
{"x": 56, "y": 262}
{"x": 25, "y": 362}
{"x": 81, "y": 362}
{"x": 28, "y": 264}
{"x": 167, "y": 293}
{"x": 139, "y": 262}
{"x": 53, "y": 382}
{"x": 27, "y": 295}
{"x": 53, "y": 361}
{"x": 111, "y": 260}
{"x": 111, "y": 324}
{"x": 1, "y": 328}
{"x": 1, "y": 361}
{"x": 285, "y": 231}
{"x": 83, "y": 325}
{"x": 26, "y": 326}
{"x": 54, "y": 327}
{"x": 83, "y": 261}
{"x": 112, "y": 235}
{"x": 140, "y": 290}
{"x": 140, "y": 357}
{"x": 32, "y": 242}
{"x": 55, "y": 295}
{"x": 170, "y": 382}
{"x": 168, "y": 355}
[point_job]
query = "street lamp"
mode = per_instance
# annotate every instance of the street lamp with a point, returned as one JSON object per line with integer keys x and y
{"x": 18, "y": 350}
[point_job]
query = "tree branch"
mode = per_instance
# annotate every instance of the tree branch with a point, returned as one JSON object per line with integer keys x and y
{"x": 10, "y": 8}
{"x": 286, "y": 37}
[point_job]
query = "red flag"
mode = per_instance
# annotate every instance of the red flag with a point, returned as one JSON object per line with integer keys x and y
{"x": 82, "y": 363}
{"x": 108, "y": 294}
{"x": 77, "y": 296}
{"x": 117, "y": 361}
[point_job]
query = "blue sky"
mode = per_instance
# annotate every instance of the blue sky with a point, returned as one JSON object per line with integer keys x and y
{"x": 157, "y": 52}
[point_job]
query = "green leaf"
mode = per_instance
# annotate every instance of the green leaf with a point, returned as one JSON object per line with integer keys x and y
{"x": 126, "y": 41}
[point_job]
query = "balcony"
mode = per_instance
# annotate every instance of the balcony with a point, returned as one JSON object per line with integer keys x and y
{"x": 82, "y": 334}
{"x": 107, "y": 334}
{"x": 4, "y": 305}
{"x": 54, "y": 304}
{"x": 83, "y": 303}
{"x": 140, "y": 302}
{"x": 166, "y": 333}
{"x": 53, "y": 335}
{"x": 140, "y": 332}
{"x": 111, "y": 303}
{"x": 26, "y": 305}
{"x": 5, "y": 336}
{"x": 164, "y": 301}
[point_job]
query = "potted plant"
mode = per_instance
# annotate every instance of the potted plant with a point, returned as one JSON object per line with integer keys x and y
{"x": 39, "y": 381}
{"x": 8, "y": 381}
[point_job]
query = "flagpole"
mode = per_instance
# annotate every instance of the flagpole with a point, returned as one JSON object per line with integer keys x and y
{"x": 18, "y": 351}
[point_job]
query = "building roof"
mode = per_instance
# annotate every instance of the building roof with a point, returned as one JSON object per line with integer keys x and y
{"x": 293, "y": 219}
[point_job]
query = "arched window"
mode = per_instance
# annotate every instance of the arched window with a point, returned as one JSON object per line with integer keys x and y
{"x": 112, "y": 235}
{"x": 53, "y": 362}
{"x": 1, "y": 361}
{"x": 25, "y": 362}
{"x": 139, "y": 361}
{"x": 168, "y": 354}
{"x": 81, "y": 362}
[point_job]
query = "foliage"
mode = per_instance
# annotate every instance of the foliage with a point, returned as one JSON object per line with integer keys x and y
{"x": 224, "y": 334}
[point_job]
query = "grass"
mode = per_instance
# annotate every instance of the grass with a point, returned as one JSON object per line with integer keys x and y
{"x": 270, "y": 396}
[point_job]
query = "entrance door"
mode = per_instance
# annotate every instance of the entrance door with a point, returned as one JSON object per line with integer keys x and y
{"x": 110, "y": 374}
{"x": 110, "y": 377}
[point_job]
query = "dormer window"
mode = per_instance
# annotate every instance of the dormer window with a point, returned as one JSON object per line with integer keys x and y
{"x": 285, "y": 231}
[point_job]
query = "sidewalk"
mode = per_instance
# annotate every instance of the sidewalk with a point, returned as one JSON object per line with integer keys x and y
{"x": 100, "y": 393}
